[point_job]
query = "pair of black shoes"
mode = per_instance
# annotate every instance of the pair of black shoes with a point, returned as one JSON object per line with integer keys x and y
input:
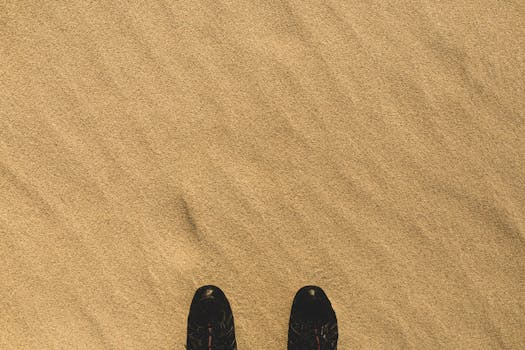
{"x": 312, "y": 326}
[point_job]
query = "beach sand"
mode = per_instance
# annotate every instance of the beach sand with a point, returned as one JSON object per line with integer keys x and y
{"x": 373, "y": 148}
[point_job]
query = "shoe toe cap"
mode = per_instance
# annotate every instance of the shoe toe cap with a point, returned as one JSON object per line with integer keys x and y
{"x": 311, "y": 304}
{"x": 311, "y": 294}
{"x": 209, "y": 292}
{"x": 209, "y": 305}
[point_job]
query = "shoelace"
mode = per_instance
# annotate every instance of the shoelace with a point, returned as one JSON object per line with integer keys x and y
{"x": 317, "y": 340}
{"x": 314, "y": 337}
{"x": 211, "y": 337}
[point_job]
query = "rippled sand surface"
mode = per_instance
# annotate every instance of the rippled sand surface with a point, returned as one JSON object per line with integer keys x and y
{"x": 373, "y": 148}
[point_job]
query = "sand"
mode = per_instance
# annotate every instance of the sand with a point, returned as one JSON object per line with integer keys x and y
{"x": 373, "y": 148}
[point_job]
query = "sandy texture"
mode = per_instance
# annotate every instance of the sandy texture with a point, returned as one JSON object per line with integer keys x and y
{"x": 374, "y": 148}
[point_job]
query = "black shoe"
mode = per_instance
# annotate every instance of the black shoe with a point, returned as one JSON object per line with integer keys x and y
{"x": 210, "y": 321}
{"x": 313, "y": 324}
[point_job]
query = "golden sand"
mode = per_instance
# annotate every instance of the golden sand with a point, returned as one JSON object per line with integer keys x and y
{"x": 373, "y": 148}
